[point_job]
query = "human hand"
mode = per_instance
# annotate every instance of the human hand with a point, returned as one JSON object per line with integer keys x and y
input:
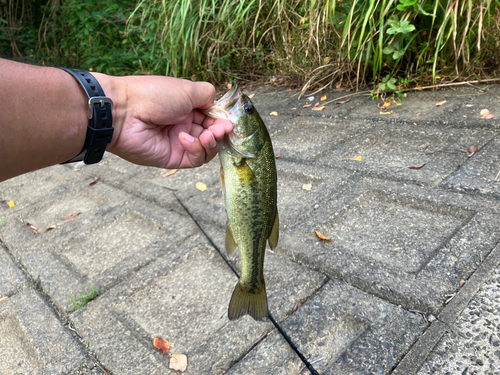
{"x": 156, "y": 122}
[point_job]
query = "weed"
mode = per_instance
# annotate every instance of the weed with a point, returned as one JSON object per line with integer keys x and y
{"x": 84, "y": 298}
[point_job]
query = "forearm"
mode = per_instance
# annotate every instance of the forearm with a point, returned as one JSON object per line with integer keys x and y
{"x": 43, "y": 117}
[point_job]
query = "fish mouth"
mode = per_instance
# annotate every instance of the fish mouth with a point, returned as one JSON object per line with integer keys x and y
{"x": 226, "y": 106}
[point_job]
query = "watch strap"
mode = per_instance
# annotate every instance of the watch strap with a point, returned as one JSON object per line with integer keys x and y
{"x": 100, "y": 127}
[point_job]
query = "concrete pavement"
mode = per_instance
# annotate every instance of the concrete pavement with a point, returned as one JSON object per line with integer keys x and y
{"x": 410, "y": 283}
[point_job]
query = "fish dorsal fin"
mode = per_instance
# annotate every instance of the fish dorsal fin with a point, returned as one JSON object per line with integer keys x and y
{"x": 273, "y": 237}
{"x": 231, "y": 244}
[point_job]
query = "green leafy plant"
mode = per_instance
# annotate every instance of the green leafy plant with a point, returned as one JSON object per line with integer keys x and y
{"x": 313, "y": 43}
{"x": 84, "y": 298}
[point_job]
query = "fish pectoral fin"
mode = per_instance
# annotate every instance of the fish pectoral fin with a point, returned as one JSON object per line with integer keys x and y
{"x": 231, "y": 244}
{"x": 248, "y": 302}
{"x": 222, "y": 180}
{"x": 244, "y": 172}
{"x": 273, "y": 237}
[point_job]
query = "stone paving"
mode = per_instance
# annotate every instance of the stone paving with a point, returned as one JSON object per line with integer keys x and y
{"x": 409, "y": 284}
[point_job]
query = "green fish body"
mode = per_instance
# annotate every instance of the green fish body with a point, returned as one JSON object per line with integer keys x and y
{"x": 248, "y": 176}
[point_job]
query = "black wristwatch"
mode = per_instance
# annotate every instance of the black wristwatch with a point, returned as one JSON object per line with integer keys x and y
{"x": 100, "y": 129}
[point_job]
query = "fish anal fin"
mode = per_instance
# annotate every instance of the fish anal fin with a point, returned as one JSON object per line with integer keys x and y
{"x": 245, "y": 301}
{"x": 273, "y": 237}
{"x": 231, "y": 244}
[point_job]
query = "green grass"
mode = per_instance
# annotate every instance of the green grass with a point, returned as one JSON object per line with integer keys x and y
{"x": 84, "y": 298}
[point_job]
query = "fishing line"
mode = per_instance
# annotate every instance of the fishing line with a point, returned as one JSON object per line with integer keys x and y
{"x": 278, "y": 327}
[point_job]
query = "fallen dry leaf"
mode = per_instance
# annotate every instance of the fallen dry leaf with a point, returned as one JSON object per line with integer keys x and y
{"x": 278, "y": 156}
{"x": 318, "y": 108}
{"x": 322, "y": 236}
{"x": 472, "y": 150}
{"x": 306, "y": 105}
{"x": 338, "y": 84}
{"x": 386, "y": 113}
{"x": 423, "y": 165}
{"x": 323, "y": 98}
{"x": 440, "y": 103}
{"x": 11, "y": 204}
{"x": 297, "y": 306}
{"x": 50, "y": 228}
{"x": 307, "y": 187}
{"x": 316, "y": 104}
{"x": 342, "y": 102}
{"x": 386, "y": 104}
{"x": 251, "y": 96}
{"x": 3, "y": 299}
{"x": 274, "y": 113}
{"x": 462, "y": 282}
{"x": 169, "y": 173}
{"x": 178, "y": 362}
{"x": 293, "y": 109}
{"x": 229, "y": 86}
{"x": 161, "y": 344}
{"x": 289, "y": 90}
{"x": 70, "y": 216}
{"x": 32, "y": 227}
{"x": 96, "y": 180}
{"x": 485, "y": 114}
{"x": 201, "y": 186}
{"x": 357, "y": 159}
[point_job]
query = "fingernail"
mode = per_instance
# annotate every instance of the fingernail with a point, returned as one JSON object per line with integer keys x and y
{"x": 212, "y": 143}
{"x": 187, "y": 137}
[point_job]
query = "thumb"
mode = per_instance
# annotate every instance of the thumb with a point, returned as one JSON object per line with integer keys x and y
{"x": 202, "y": 95}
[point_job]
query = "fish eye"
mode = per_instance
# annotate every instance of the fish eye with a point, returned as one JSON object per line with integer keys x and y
{"x": 249, "y": 108}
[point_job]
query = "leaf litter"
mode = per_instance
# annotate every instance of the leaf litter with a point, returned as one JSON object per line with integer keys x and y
{"x": 161, "y": 344}
{"x": 485, "y": 114}
{"x": 169, "y": 173}
{"x": 322, "y": 236}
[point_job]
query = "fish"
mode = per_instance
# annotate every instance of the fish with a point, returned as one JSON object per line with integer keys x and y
{"x": 248, "y": 178}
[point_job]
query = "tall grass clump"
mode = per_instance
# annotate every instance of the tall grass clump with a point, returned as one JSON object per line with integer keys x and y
{"x": 319, "y": 43}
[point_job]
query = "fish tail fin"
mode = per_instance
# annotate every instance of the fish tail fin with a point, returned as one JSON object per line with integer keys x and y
{"x": 248, "y": 302}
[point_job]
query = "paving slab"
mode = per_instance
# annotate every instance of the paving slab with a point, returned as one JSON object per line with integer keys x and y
{"x": 32, "y": 340}
{"x": 115, "y": 234}
{"x": 12, "y": 278}
{"x": 471, "y": 344}
{"x": 344, "y": 329}
{"x": 314, "y": 137}
{"x": 461, "y": 107}
{"x": 390, "y": 150}
{"x": 403, "y": 239}
{"x": 183, "y": 297}
{"x": 480, "y": 173}
{"x": 408, "y": 244}
{"x": 34, "y": 187}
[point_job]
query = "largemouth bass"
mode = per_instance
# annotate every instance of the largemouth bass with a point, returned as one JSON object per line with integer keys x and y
{"x": 248, "y": 176}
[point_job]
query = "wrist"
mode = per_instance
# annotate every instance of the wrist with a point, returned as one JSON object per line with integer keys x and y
{"x": 114, "y": 89}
